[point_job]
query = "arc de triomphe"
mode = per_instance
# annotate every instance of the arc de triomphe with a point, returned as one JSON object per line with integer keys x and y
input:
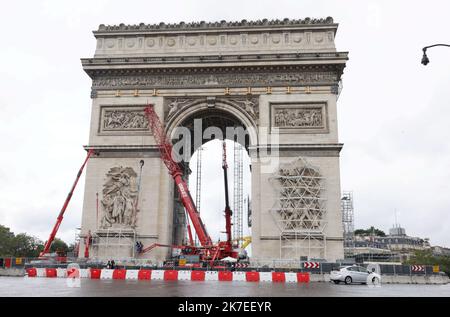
{"x": 278, "y": 79}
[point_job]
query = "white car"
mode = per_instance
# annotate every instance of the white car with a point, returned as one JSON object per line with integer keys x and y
{"x": 354, "y": 274}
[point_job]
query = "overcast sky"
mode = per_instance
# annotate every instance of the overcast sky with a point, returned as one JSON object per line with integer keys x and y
{"x": 393, "y": 113}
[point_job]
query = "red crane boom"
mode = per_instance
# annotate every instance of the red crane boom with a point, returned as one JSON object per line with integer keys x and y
{"x": 165, "y": 148}
{"x": 228, "y": 212}
{"x": 64, "y": 207}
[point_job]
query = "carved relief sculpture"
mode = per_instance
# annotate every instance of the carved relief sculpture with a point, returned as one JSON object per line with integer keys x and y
{"x": 228, "y": 80}
{"x": 305, "y": 117}
{"x": 175, "y": 105}
{"x": 249, "y": 105}
{"x": 119, "y": 203}
{"x": 124, "y": 120}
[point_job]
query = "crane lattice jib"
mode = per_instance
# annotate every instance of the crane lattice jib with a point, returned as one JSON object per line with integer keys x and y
{"x": 165, "y": 148}
{"x": 164, "y": 145}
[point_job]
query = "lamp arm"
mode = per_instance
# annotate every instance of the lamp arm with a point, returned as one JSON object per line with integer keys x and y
{"x": 427, "y": 47}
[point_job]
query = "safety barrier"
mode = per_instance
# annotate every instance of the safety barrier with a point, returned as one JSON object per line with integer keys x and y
{"x": 132, "y": 275}
{"x": 171, "y": 275}
{"x": 95, "y": 274}
{"x": 225, "y": 276}
{"x": 145, "y": 274}
{"x": 252, "y": 276}
{"x": 50, "y": 272}
{"x": 278, "y": 277}
{"x": 184, "y": 275}
{"x": 106, "y": 274}
{"x": 119, "y": 274}
{"x": 31, "y": 272}
{"x": 197, "y": 275}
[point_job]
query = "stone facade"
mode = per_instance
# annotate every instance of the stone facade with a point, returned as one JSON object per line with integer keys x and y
{"x": 277, "y": 79}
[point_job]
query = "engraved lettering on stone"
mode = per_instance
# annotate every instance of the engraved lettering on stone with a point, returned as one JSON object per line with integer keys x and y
{"x": 124, "y": 120}
{"x": 119, "y": 202}
{"x": 305, "y": 117}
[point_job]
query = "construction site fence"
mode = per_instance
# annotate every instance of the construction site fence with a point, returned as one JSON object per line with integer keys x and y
{"x": 255, "y": 265}
{"x": 13, "y": 262}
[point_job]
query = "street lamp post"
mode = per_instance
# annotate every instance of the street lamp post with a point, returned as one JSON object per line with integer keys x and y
{"x": 425, "y": 59}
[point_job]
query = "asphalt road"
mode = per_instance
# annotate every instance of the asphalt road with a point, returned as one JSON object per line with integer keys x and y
{"x": 24, "y": 286}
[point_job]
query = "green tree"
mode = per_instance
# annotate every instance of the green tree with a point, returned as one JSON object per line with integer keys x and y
{"x": 26, "y": 246}
{"x": 371, "y": 231}
{"x": 6, "y": 241}
{"x": 59, "y": 245}
{"x": 426, "y": 257}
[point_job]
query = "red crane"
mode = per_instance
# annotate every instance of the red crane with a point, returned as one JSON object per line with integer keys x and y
{"x": 165, "y": 148}
{"x": 228, "y": 212}
{"x": 64, "y": 207}
{"x": 208, "y": 250}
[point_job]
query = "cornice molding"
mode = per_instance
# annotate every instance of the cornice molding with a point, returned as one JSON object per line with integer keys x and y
{"x": 202, "y": 25}
{"x": 201, "y": 60}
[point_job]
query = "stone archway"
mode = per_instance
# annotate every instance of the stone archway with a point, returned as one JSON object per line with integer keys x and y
{"x": 279, "y": 79}
{"x": 218, "y": 112}
{"x": 225, "y": 119}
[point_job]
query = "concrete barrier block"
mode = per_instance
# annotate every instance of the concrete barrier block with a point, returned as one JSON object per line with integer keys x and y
{"x": 132, "y": 275}
{"x": 291, "y": 277}
{"x": 85, "y": 273}
{"x": 60, "y": 272}
{"x": 40, "y": 272}
{"x": 211, "y": 276}
{"x": 158, "y": 275}
{"x": 106, "y": 274}
{"x": 239, "y": 276}
{"x": 184, "y": 275}
{"x": 265, "y": 276}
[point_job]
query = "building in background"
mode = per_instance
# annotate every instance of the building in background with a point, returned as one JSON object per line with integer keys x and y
{"x": 397, "y": 246}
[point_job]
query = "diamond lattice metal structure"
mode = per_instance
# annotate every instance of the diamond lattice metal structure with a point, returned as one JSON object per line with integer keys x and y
{"x": 300, "y": 209}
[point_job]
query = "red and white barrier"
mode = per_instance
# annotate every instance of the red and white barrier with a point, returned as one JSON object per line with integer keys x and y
{"x": 184, "y": 275}
{"x": 132, "y": 275}
{"x": 157, "y": 274}
{"x": 173, "y": 275}
{"x": 106, "y": 274}
{"x": 211, "y": 276}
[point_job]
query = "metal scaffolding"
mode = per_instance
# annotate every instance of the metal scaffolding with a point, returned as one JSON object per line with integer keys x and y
{"x": 198, "y": 187}
{"x": 300, "y": 210}
{"x": 198, "y": 184}
{"x": 238, "y": 200}
{"x": 348, "y": 219}
{"x": 116, "y": 239}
